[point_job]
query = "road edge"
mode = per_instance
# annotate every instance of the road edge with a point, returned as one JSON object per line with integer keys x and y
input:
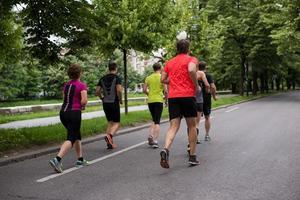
{"x": 37, "y": 153}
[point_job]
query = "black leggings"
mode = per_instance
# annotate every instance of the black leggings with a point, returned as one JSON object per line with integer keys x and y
{"x": 156, "y": 111}
{"x": 72, "y": 122}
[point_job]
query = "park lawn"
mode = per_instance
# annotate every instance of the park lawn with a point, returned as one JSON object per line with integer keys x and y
{"x": 51, "y": 101}
{"x": 33, "y": 115}
{"x": 17, "y": 139}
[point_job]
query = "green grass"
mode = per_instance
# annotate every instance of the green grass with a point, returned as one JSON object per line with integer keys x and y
{"x": 16, "y": 139}
{"x": 231, "y": 99}
{"x": 33, "y": 115}
{"x": 50, "y": 101}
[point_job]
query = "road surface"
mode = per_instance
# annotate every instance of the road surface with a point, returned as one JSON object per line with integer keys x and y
{"x": 254, "y": 155}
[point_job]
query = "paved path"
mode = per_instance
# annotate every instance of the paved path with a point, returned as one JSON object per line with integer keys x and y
{"x": 253, "y": 155}
{"x": 55, "y": 120}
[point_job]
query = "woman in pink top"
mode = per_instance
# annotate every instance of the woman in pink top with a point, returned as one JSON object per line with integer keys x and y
{"x": 75, "y": 99}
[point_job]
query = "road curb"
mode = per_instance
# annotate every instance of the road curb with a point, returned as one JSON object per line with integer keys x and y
{"x": 45, "y": 151}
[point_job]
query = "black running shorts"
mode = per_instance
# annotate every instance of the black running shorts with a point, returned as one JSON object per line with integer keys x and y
{"x": 156, "y": 111}
{"x": 72, "y": 122}
{"x": 112, "y": 111}
{"x": 207, "y": 107}
{"x": 199, "y": 107}
{"x": 182, "y": 107}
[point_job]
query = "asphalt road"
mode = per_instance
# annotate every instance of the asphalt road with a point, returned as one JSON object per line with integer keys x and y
{"x": 253, "y": 155}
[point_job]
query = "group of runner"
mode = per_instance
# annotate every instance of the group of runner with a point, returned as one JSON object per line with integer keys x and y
{"x": 183, "y": 82}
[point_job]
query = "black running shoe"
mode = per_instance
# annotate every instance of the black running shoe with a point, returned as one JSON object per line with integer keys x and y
{"x": 193, "y": 160}
{"x": 164, "y": 158}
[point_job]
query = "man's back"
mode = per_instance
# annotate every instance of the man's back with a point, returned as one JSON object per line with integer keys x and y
{"x": 180, "y": 84}
{"x": 108, "y": 84}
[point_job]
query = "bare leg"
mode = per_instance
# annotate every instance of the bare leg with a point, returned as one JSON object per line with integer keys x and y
{"x": 191, "y": 123}
{"x": 65, "y": 147}
{"x": 114, "y": 127}
{"x": 156, "y": 130}
{"x": 151, "y": 133}
{"x": 199, "y": 114}
{"x": 108, "y": 129}
{"x": 174, "y": 126}
{"x": 78, "y": 148}
{"x": 207, "y": 125}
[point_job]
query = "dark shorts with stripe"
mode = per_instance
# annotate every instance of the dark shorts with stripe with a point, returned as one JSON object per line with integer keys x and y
{"x": 199, "y": 107}
{"x": 72, "y": 122}
{"x": 112, "y": 111}
{"x": 182, "y": 107}
{"x": 156, "y": 111}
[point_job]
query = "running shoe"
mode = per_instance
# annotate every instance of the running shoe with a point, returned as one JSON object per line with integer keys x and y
{"x": 81, "y": 163}
{"x": 164, "y": 158}
{"x": 207, "y": 138}
{"x": 56, "y": 165}
{"x": 150, "y": 140}
{"x": 155, "y": 145}
{"x": 109, "y": 142}
{"x": 193, "y": 160}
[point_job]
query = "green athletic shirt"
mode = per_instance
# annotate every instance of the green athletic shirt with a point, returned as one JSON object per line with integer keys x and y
{"x": 155, "y": 88}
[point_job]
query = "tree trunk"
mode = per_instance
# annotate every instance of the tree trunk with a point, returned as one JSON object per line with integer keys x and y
{"x": 288, "y": 79}
{"x": 272, "y": 83}
{"x": 233, "y": 88}
{"x": 255, "y": 84}
{"x": 125, "y": 80}
{"x": 266, "y": 81}
{"x": 262, "y": 83}
{"x": 277, "y": 80}
{"x": 242, "y": 78}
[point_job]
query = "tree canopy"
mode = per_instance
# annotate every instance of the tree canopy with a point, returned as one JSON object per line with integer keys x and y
{"x": 249, "y": 45}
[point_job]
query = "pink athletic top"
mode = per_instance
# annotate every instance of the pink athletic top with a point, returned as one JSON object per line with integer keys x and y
{"x": 72, "y": 95}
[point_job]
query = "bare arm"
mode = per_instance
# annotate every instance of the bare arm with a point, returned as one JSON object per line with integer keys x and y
{"x": 84, "y": 98}
{"x": 119, "y": 92}
{"x": 164, "y": 78}
{"x": 213, "y": 91}
{"x": 145, "y": 88}
{"x": 98, "y": 92}
{"x": 193, "y": 73}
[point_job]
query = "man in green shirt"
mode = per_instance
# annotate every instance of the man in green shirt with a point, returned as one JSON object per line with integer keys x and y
{"x": 154, "y": 89}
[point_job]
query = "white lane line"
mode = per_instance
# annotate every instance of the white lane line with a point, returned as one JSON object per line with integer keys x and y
{"x": 233, "y": 109}
{"x": 91, "y": 162}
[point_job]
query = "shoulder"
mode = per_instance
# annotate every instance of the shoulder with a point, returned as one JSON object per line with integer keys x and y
{"x": 82, "y": 85}
{"x": 193, "y": 59}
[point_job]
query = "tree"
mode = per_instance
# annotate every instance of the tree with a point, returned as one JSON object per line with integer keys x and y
{"x": 50, "y": 25}
{"x": 132, "y": 24}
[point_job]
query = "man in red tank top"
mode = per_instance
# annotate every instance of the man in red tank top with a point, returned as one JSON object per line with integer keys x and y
{"x": 180, "y": 75}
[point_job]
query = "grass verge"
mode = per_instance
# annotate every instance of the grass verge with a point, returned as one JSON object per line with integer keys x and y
{"x": 17, "y": 139}
{"x": 33, "y": 115}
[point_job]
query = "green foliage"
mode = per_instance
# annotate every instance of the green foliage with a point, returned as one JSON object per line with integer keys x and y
{"x": 132, "y": 24}
{"x": 47, "y": 20}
